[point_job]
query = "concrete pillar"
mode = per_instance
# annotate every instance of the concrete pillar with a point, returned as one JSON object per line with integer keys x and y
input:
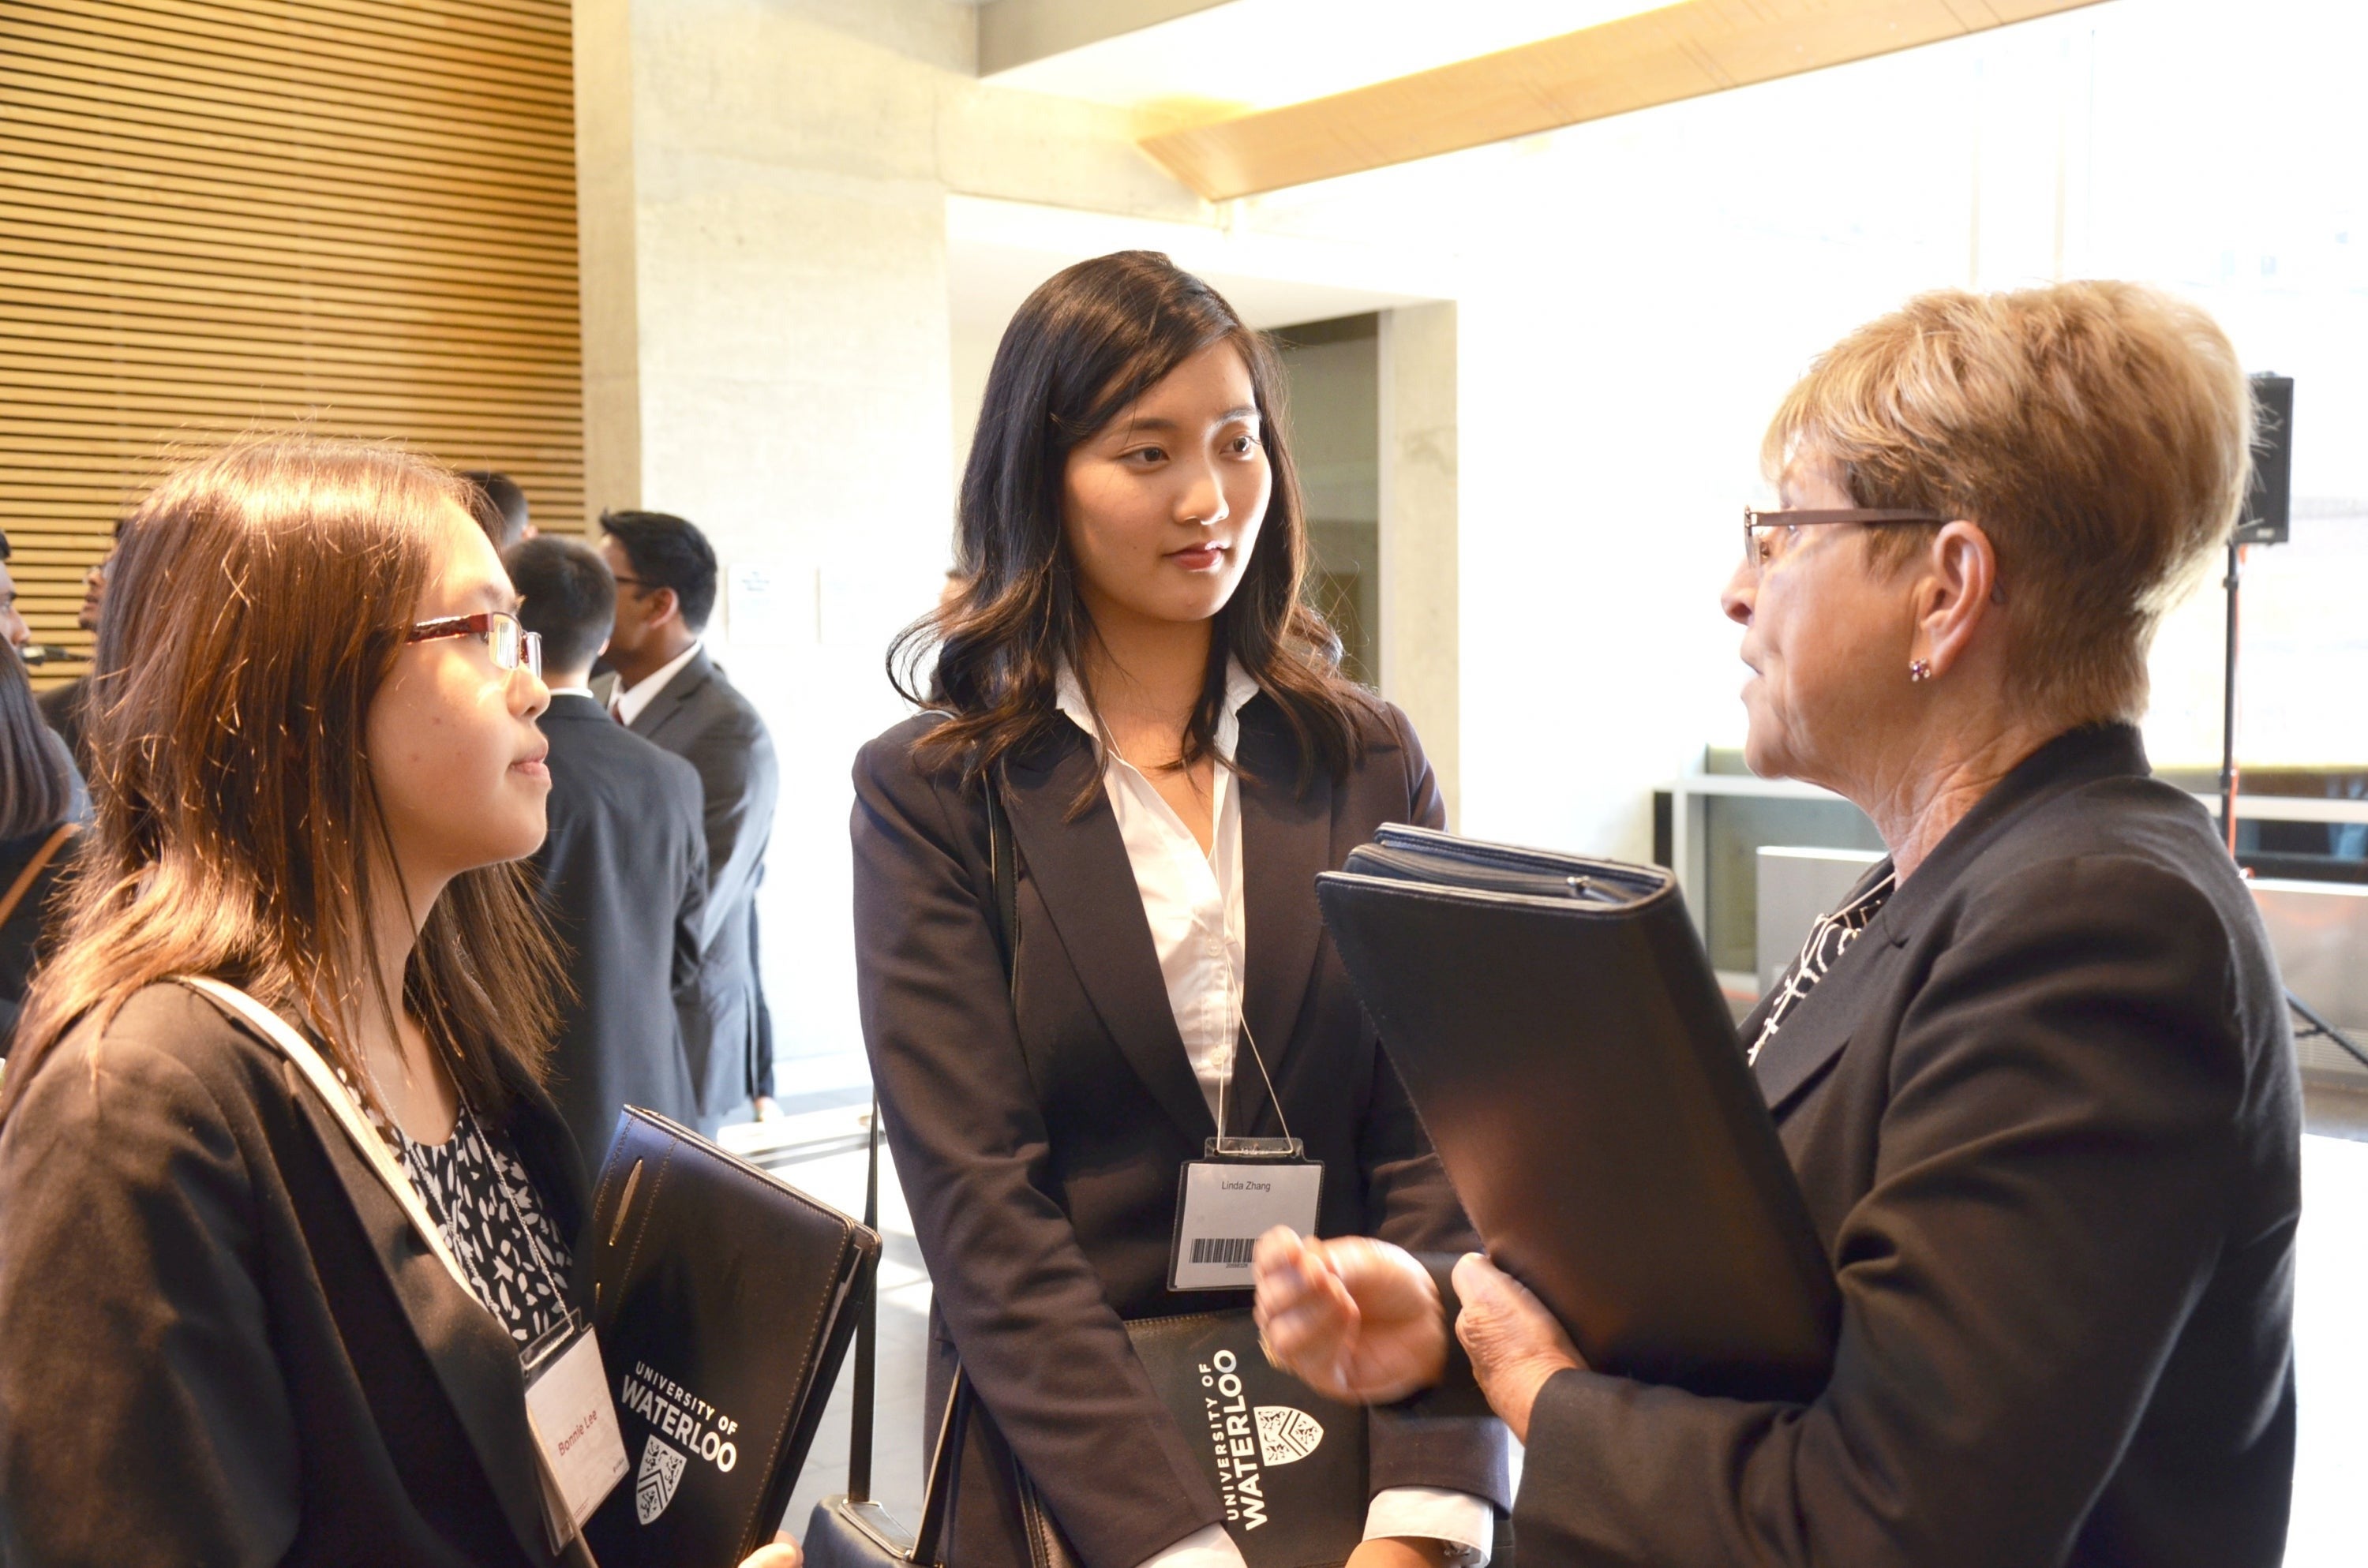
{"x": 604, "y": 228}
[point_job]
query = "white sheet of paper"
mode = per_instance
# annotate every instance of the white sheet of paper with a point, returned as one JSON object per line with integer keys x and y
{"x": 1226, "y": 1206}
{"x": 576, "y": 1425}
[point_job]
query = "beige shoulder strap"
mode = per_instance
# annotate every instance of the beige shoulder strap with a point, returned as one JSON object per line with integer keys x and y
{"x": 557, "y": 1519}
{"x": 333, "y": 1094}
{"x": 41, "y": 857}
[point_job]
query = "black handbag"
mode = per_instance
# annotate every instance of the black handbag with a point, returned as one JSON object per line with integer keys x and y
{"x": 1288, "y": 1465}
{"x": 850, "y": 1530}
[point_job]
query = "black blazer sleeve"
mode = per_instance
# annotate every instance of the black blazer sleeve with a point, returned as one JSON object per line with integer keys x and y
{"x": 1038, "y": 1335}
{"x": 98, "y": 1254}
{"x": 2049, "y": 1195}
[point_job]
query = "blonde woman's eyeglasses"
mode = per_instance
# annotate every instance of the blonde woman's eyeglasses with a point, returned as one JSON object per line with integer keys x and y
{"x": 1760, "y": 529}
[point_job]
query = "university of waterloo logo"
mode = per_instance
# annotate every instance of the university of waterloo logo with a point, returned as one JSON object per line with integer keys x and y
{"x": 1249, "y": 1440}
{"x": 1285, "y": 1435}
{"x": 661, "y": 1474}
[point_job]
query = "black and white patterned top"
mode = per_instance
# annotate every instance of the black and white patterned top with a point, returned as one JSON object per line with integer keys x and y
{"x": 1829, "y": 937}
{"x": 492, "y": 1218}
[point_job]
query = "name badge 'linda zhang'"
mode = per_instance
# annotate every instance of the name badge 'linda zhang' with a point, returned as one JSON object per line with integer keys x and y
{"x": 1224, "y": 1204}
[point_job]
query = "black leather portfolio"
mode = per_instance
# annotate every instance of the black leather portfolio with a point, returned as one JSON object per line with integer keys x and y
{"x": 722, "y": 1299}
{"x": 1557, "y": 1025}
{"x": 1289, "y": 1464}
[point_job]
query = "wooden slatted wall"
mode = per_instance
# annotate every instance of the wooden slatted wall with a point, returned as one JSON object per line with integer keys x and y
{"x": 220, "y": 214}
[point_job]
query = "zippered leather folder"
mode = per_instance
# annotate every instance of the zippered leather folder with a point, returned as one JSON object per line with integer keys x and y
{"x": 723, "y": 1298}
{"x": 1561, "y": 1033}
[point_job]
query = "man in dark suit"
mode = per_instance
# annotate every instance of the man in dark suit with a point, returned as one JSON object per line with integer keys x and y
{"x": 623, "y": 867}
{"x": 669, "y": 691}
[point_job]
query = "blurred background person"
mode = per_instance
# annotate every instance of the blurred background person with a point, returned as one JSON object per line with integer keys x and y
{"x": 19, "y": 636}
{"x": 2034, "y": 1072}
{"x": 13, "y": 629}
{"x": 670, "y": 692}
{"x": 622, "y": 868}
{"x": 499, "y": 506}
{"x": 66, "y": 706}
{"x": 36, "y": 829}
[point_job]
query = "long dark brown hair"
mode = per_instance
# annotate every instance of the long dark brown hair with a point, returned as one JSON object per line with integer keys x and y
{"x": 269, "y": 587}
{"x": 1088, "y": 343}
{"x": 34, "y": 793}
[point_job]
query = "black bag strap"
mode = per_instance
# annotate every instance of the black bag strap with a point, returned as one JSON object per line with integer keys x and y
{"x": 945, "y": 1457}
{"x": 867, "y": 1331}
{"x": 1003, "y": 866}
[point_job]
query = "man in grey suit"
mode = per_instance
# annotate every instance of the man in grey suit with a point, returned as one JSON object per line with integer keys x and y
{"x": 623, "y": 867}
{"x": 669, "y": 691}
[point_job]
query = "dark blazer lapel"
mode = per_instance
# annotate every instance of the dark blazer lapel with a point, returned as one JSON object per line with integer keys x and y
{"x": 1820, "y": 1023}
{"x": 1082, "y": 875}
{"x": 477, "y": 1364}
{"x": 1286, "y": 842}
{"x": 667, "y": 703}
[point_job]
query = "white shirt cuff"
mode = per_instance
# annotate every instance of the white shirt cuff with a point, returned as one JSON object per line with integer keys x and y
{"x": 1208, "y": 1547}
{"x": 1427, "y": 1513}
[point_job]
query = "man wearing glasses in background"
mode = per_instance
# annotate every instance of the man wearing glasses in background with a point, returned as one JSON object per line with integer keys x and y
{"x": 670, "y": 692}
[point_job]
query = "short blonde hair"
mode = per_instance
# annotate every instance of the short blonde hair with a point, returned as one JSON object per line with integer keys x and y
{"x": 2100, "y": 433}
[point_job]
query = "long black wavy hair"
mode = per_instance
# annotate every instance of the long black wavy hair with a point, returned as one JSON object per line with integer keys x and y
{"x": 1085, "y": 345}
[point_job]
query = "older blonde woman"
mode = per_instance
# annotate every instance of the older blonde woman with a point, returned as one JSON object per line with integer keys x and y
{"x": 2035, "y": 1075}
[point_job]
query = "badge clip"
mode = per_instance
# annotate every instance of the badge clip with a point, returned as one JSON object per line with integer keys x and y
{"x": 1223, "y": 1148}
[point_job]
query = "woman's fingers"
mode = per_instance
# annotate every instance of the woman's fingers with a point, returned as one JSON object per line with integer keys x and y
{"x": 1306, "y": 1319}
{"x": 1353, "y": 1318}
{"x": 783, "y": 1554}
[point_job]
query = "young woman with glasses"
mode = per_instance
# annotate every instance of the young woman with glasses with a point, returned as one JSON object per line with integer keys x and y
{"x": 222, "y": 1336}
{"x": 1127, "y": 663}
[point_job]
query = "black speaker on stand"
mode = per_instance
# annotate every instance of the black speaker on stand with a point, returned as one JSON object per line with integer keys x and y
{"x": 2263, "y": 521}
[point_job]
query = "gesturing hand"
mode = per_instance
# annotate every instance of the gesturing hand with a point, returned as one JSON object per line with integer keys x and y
{"x": 783, "y": 1552}
{"x": 1353, "y": 1318}
{"x": 1515, "y": 1344}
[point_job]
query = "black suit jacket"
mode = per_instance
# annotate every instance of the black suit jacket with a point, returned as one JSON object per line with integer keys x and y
{"x": 701, "y": 718}
{"x": 66, "y": 709}
{"x": 2046, "y": 1115}
{"x": 221, "y": 1340}
{"x": 623, "y": 871}
{"x": 1039, "y": 1153}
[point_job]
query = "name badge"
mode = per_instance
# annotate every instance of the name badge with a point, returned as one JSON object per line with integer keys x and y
{"x": 575, "y": 1424}
{"x": 1224, "y": 1203}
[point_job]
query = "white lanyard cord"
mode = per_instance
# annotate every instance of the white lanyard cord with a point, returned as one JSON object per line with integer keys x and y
{"x": 1225, "y": 1084}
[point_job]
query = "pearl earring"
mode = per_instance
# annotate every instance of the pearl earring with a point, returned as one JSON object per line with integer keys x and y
{"x": 1919, "y": 670}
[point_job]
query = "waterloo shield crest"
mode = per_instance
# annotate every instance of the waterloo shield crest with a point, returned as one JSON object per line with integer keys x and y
{"x": 661, "y": 1472}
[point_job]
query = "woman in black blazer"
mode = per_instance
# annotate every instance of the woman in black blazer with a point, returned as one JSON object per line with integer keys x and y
{"x": 1128, "y": 663}
{"x": 2035, "y": 1073}
{"x": 222, "y": 1339}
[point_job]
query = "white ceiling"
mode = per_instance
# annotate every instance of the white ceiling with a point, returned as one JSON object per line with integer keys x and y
{"x": 1253, "y": 54}
{"x": 997, "y": 252}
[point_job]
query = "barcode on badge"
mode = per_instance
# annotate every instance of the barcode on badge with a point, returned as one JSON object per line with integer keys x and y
{"x": 1228, "y": 1252}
